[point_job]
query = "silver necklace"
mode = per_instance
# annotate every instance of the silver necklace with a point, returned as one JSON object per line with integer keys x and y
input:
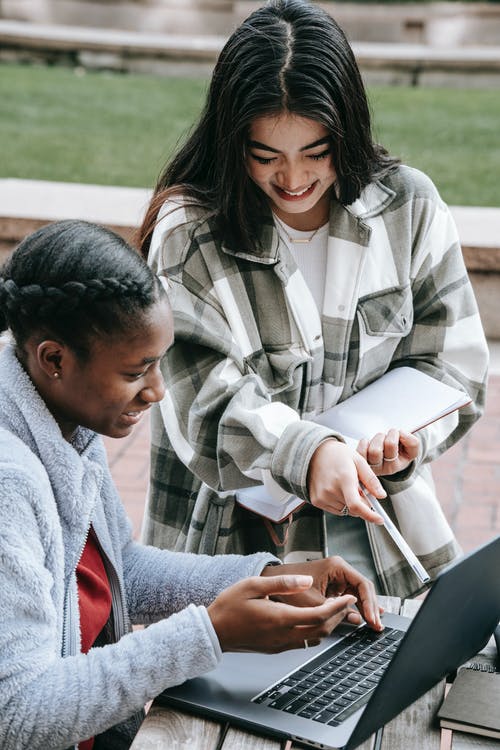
{"x": 296, "y": 240}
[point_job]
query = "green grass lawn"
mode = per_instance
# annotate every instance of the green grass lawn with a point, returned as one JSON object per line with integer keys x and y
{"x": 58, "y": 124}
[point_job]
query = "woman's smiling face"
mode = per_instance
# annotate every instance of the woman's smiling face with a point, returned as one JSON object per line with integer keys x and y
{"x": 110, "y": 391}
{"x": 289, "y": 158}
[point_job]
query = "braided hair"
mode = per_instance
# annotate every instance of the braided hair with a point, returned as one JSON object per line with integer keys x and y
{"x": 72, "y": 281}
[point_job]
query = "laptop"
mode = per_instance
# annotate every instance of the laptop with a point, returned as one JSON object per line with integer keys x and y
{"x": 337, "y": 694}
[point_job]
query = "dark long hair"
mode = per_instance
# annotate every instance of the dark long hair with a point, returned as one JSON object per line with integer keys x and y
{"x": 72, "y": 281}
{"x": 288, "y": 56}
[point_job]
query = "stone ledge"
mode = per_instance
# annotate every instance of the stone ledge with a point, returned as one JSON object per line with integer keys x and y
{"x": 26, "y": 205}
{"x": 50, "y": 201}
{"x": 479, "y": 230}
{"x": 27, "y": 202}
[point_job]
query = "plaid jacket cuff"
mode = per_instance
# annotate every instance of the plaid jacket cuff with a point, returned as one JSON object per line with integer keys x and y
{"x": 293, "y": 453}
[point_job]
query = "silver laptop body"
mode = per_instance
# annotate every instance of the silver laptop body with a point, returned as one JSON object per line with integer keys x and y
{"x": 454, "y": 622}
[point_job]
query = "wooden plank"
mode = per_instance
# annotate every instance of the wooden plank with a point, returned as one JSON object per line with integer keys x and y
{"x": 368, "y": 744}
{"x": 463, "y": 741}
{"x": 415, "y": 728}
{"x": 238, "y": 739}
{"x": 167, "y": 728}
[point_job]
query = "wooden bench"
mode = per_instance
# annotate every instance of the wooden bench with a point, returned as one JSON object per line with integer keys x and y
{"x": 112, "y": 49}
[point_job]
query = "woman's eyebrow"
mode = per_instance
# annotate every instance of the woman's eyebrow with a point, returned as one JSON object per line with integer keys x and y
{"x": 319, "y": 142}
{"x": 144, "y": 361}
{"x": 264, "y": 147}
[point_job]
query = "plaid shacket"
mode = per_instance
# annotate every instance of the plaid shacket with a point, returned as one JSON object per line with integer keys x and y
{"x": 253, "y": 360}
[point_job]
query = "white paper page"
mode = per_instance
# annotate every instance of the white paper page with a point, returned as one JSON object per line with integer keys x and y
{"x": 404, "y": 398}
{"x": 259, "y": 500}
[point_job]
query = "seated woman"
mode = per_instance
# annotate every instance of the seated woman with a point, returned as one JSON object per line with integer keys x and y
{"x": 90, "y": 323}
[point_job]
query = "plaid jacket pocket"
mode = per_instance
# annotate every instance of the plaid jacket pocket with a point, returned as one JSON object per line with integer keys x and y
{"x": 383, "y": 320}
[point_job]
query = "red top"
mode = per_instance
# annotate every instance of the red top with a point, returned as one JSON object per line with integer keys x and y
{"x": 94, "y": 596}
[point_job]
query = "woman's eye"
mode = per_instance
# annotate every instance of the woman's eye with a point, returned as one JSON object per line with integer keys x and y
{"x": 135, "y": 375}
{"x": 322, "y": 155}
{"x": 262, "y": 159}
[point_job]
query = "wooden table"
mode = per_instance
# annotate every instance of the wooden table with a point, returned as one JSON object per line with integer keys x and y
{"x": 414, "y": 729}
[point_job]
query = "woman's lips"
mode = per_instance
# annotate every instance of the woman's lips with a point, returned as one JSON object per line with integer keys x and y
{"x": 132, "y": 417}
{"x": 295, "y": 195}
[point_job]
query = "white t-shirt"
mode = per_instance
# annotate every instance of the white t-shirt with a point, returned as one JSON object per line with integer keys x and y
{"x": 310, "y": 257}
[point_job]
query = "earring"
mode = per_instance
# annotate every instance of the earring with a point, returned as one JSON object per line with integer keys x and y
{"x": 56, "y": 375}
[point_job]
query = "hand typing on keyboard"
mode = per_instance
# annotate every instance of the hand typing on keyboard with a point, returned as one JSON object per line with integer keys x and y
{"x": 292, "y": 606}
{"x": 334, "y": 577}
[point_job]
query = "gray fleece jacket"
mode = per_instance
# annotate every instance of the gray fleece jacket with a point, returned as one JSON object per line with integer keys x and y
{"x": 51, "y": 491}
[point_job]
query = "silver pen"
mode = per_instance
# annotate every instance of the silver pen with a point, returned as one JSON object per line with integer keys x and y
{"x": 397, "y": 537}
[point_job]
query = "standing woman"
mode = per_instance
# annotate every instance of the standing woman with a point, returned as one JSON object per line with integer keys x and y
{"x": 304, "y": 262}
{"x": 90, "y": 324}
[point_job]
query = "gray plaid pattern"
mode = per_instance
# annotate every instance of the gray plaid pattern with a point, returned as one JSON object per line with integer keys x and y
{"x": 251, "y": 354}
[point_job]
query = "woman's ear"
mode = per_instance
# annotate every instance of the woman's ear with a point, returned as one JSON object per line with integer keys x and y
{"x": 52, "y": 358}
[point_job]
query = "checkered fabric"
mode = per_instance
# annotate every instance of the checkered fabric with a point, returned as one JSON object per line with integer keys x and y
{"x": 253, "y": 361}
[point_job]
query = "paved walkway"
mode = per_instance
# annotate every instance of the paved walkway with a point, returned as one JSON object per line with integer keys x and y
{"x": 467, "y": 476}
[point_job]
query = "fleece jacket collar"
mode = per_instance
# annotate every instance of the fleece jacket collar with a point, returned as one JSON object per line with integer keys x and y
{"x": 72, "y": 468}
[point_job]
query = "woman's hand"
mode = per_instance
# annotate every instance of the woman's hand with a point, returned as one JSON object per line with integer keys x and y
{"x": 333, "y": 576}
{"x": 389, "y": 453}
{"x": 245, "y": 618}
{"x": 334, "y": 474}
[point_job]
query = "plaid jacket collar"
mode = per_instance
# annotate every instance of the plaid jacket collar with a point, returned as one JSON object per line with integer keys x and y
{"x": 374, "y": 198}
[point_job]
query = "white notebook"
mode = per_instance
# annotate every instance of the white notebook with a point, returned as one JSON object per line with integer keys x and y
{"x": 259, "y": 500}
{"x": 404, "y": 398}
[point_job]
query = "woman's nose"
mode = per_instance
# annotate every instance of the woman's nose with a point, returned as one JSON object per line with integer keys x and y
{"x": 292, "y": 176}
{"x": 154, "y": 390}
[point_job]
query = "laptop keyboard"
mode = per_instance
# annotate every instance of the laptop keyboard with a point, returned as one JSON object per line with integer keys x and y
{"x": 333, "y": 685}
